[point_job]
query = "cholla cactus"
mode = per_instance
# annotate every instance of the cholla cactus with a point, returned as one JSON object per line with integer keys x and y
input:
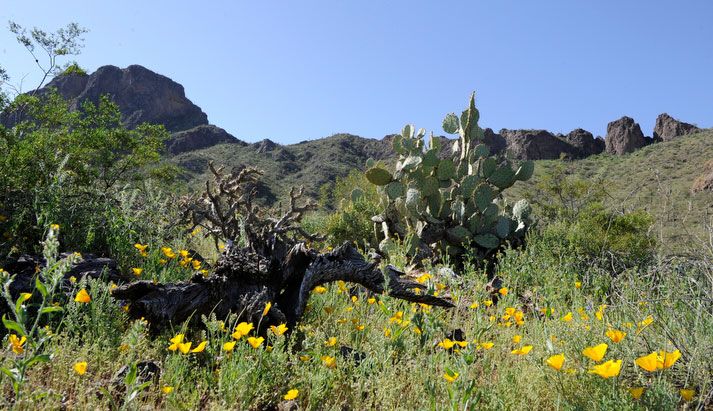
{"x": 441, "y": 204}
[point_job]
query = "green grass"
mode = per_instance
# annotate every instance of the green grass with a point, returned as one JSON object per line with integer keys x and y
{"x": 404, "y": 369}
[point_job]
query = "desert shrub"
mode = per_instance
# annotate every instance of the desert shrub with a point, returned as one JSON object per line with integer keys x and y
{"x": 575, "y": 223}
{"x": 351, "y": 220}
{"x": 68, "y": 167}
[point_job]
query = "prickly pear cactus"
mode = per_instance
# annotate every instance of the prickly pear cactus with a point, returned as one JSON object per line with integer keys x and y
{"x": 438, "y": 204}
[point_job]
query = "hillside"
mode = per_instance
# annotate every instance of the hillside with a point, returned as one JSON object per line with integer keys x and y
{"x": 310, "y": 164}
{"x": 657, "y": 178}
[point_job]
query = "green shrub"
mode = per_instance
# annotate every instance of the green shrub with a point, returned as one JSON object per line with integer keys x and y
{"x": 68, "y": 167}
{"x": 351, "y": 221}
{"x": 575, "y": 223}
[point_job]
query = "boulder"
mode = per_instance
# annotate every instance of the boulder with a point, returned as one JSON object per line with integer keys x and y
{"x": 536, "y": 145}
{"x": 584, "y": 143}
{"x": 624, "y": 136}
{"x": 202, "y": 136}
{"x": 141, "y": 94}
{"x": 667, "y": 128}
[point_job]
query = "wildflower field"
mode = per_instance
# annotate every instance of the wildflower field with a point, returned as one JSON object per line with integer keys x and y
{"x": 551, "y": 337}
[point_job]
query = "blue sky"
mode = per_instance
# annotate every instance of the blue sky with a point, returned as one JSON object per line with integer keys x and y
{"x": 292, "y": 71}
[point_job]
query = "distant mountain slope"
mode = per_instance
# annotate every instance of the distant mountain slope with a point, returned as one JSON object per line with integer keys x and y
{"x": 658, "y": 178}
{"x": 310, "y": 164}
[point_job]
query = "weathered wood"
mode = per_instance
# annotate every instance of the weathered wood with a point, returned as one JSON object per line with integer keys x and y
{"x": 244, "y": 282}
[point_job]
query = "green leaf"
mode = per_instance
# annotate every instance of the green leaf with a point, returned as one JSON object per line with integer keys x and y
{"x": 48, "y": 310}
{"x": 10, "y": 373}
{"x": 13, "y": 326}
{"x": 40, "y": 286}
{"x": 450, "y": 124}
{"x": 38, "y": 359}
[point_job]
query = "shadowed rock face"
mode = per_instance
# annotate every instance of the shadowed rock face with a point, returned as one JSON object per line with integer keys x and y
{"x": 624, "y": 136}
{"x": 536, "y": 145}
{"x": 202, "y": 136}
{"x": 141, "y": 94}
{"x": 667, "y": 128}
{"x": 584, "y": 143}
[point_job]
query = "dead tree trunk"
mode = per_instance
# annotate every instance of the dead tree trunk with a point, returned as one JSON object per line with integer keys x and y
{"x": 274, "y": 266}
{"x": 244, "y": 282}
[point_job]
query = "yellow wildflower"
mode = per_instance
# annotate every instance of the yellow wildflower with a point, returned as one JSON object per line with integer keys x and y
{"x": 200, "y": 347}
{"x": 687, "y": 394}
{"x": 175, "y": 341}
{"x": 255, "y": 342}
{"x": 137, "y": 271}
{"x": 291, "y": 394}
{"x": 595, "y": 353}
{"x": 279, "y": 330}
{"x": 669, "y": 358}
{"x": 503, "y": 291}
{"x": 516, "y": 339}
{"x": 305, "y": 358}
{"x": 196, "y": 264}
{"x": 371, "y": 300}
{"x": 450, "y": 377}
{"x": 446, "y": 344}
{"x": 567, "y": 317}
{"x": 242, "y": 329}
{"x": 267, "y": 308}
{"x": 615, "y": 335}
{"x": 636, "y": 392}
{"x": 17, "y": 343}
{"x": 522, "y": 350}
{"x": 397, "y": 317}
{"x": 423, "y": 278}
{"x": 185, "y": 348}
{"x": 474, "y": 305}
{"x": 319, "y": 289}
{"x": 229, "y": 346}
{"x": 331, "y": 342}
{"x": 556, "y": 361}
{"x": 82, "y": 297}
{"x": 607, "y": 369}
{"x": 329, "y": 362}
{"x": 80, "y": 367}
{"x": 578, "y": 284}
{"x": 166, "y": 389}
{"x": 488, "y": 303}
{"x": 168, "y": 252}
{"x": 486, "y": 345}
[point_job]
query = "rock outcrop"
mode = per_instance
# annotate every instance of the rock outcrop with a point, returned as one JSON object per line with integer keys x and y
{"x": 141, "y": 94}
{"x": 199, "y": 137}
{"x": 667, "y": 128}
{"x": 584, "y": 143}
{"x": 624, "y": 136}
{"x": 704, "y": 182}
{"x": 536, "y": 145}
